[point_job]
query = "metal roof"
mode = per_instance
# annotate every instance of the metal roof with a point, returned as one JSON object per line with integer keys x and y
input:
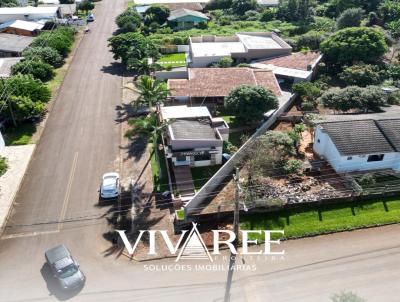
{"x": 14, "y": 43}
{"x": 28, "y": 10}
{"x": 193, "y": 129}
{"x": 20, "y": 24}
{"x": 178, "y": 112}
{"x": 183, "y": 12}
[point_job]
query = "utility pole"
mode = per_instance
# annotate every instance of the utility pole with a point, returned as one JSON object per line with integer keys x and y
{"x": 232, "y": 258}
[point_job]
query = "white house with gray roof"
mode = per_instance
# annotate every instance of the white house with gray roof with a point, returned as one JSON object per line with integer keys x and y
{"x": 359, "y": 145}
{"x": 194, "y": 138}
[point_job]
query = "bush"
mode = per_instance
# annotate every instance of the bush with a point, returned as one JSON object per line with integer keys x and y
{"x": 156, "y": 13}
{"x": 38, "y": 69}
{"x": 3, "y": 165}
{"x": 354, "y": 44}
{"x": 240, "y": 7}
{"x": 86, "y": 5}
{"x": 46, "y": 54}
{"x": 218, "y": 4}
{"x": 310, "y": 40}
{"x": 361, "y": 75}
{"x": 225, "y": 62}
{"x": 250, "y": 103}
{"x": 293, "y": 167}
{"x": 350, "y": 18}
{"x": 267, "y": 15}
{"x": 367, "y": 179}
{"x": 61, "y": 39}
{"x": 353, "y": 97}
{"x": 26, "y": 85}
{"x": 308, "y": 106}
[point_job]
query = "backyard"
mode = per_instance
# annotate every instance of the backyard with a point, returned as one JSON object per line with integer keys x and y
{"x": 172, "y": 60}
{"x": 325, "y": 218}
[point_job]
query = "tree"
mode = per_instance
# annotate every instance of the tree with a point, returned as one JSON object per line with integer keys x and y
{"x": 218, "y": 4}
{"x": 354, "y": 44}
{"x": 8, "y": 3}
{"x": 142, "y": 66}
{"x": 249, "y": 103}
{"x": 361, "y": 75}
{"x": 128, "y": 21}
{"x": 308, "y": 92}
{"x": 38, "y": 69}
{"x": 389, "y": 10}
{"x": 353, "y": 97}
{"x": 86, "y": 5}
{"x": 60, "y": 39}
{"x": 20, "y": 108}
{"x": 310, "y": 40}
{"x": 151, "y": 91}
{"x": 132, "y": 46}
{"x": 240, "y": 7}
{"x": 293, "y": 167}
{"x": 351, "y": 17}
{"x": 156, "y": 13}
{"x": 67, "y": 1}
{"x": 46, "y": 54}
{"x": 26, "y": 85}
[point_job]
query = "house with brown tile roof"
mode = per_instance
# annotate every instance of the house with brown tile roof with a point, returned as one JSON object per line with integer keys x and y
{"x": 298, "y": 66}
{"x": 217, "y": 83}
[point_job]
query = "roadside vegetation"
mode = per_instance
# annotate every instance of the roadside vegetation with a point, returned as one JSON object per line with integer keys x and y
{"x": 315, "y": 220}
{"x": 3, "y": 165}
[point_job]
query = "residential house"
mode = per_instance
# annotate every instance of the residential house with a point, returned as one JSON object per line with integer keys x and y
{"x": 22, "y": 28}
{"x": 359, "y": 145}
{"x": 204, "y": 85}
{"x": 66, "y": 10}
{"x": 242, "y": 48}
{"x": 13, "y": 45}
{"x": 5, "y": 66}
{"x": 193, "y": 138}
{"x": 185, "y": 19}
{"x": 292, "y": 68}
{"x": 29, "y": 13}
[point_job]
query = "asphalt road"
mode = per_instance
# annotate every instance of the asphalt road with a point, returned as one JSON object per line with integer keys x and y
{"x": 79, "y": 144}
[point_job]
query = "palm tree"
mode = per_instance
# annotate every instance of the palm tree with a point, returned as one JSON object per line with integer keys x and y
{"x": 150, "y": 128}
{"x": 143, "y": 66}
{"x": 151, "y": 91}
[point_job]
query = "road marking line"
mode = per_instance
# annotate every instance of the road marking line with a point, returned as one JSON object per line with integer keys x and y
{"x": 32, "y": 234}
{"x": 68, "y": 192}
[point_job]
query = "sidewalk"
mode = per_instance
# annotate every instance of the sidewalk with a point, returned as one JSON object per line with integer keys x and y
{"x": 136, "y": 169}
{"x": 18, "y": 158}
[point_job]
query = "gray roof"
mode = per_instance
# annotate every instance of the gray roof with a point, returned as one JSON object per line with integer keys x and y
{"x": 14, "y": 43}
{"x": 179, "y": 13}
{"x": 391, "y": 129}
{"x": 6, "y": 64}
{"x": 357, "y": 137}
{"x": 193, "y": 129}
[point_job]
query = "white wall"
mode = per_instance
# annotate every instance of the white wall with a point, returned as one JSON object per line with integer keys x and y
{"x": 324, "y": 146}
{"x": 2, "y": 143}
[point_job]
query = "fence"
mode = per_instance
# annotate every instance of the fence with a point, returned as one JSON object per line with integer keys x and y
{"x": 226, "y": 170}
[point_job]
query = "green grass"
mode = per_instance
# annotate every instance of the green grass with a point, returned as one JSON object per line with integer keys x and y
{"x": 21, "y": 135}
{"x": 180, "y": 214}
{"x": 325, "y": 219}
{"x": 201, "y": 175}
{"x": 131, "y": 4}
{"x": 3, "y": 165}
{"x": 160, "y": 183}
{"x": 173, "y": 57}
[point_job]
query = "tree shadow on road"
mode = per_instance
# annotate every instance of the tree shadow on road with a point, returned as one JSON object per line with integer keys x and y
{"x": 115, "y": 68}
{"x": 54, "y": 288}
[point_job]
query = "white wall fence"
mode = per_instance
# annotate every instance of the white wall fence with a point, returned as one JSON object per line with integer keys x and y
{"x": 227, "y": 169}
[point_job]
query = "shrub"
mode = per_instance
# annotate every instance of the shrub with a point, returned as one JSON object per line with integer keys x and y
{"x": 350, "y": 18}
{"x": 267, "y": 15}
{"x": 46, "y": 54}
{"x": 310, "y": 40}
{"x": 26, "y": 85}
{"x": 61, "y": 39}
{"x": 356, "y": 43}
{"x": 3, "y": 165}
{"x": 225, "y": 62}
{"x": 240, "y": 7}
{"x": 38, "y": 69}
{"x": 218, "y": 4}
{"x": 86, "y": 5}
{"x": 128, "y": 21}
{"x": 308, "y": 106}
{"x": 293, "y": 167}
{"x": 361, "y": 75}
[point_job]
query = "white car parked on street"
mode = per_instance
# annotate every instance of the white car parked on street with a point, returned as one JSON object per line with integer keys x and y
{"x": 109, "y": 185}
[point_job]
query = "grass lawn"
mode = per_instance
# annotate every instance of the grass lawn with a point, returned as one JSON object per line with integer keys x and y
{"x": 328, "y": 218}
{"x": 202, "y": 174}
{"x": 160, "y": 183}
{"x": 173, "y": 57}
{"x": 21, "y": 135}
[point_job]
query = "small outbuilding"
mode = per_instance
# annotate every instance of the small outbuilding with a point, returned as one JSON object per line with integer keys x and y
{"x": 13, "y": 45}
{"x": 22, "y": 28}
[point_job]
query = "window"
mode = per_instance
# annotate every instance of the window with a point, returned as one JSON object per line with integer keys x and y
{"x": 350, "y": 158}
{"x": 376, "y": 157}
{"x": 318, "y": 140}
{"x": 203, "y": 156}
{"x": 181, "y": 158}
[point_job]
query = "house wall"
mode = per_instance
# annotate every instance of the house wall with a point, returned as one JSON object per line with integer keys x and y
{"x": 324, "y": 147}
{"x": 199, "y": 62}
{"x": 18, "y": 31}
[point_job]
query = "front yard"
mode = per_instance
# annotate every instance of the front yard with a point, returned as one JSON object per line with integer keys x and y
{"x": 160, "y": 172}
{"x": 201, "y": 175}
{"x": 324, "y": 219}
